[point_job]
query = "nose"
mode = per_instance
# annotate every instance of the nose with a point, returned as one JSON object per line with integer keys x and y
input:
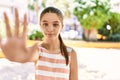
{"x": 50, "y": 28}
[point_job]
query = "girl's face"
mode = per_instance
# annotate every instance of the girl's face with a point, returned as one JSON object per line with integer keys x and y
{"x": 51, "y": 25}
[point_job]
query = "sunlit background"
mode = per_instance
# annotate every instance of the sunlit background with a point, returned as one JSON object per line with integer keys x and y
{"x": 91, "y": 27}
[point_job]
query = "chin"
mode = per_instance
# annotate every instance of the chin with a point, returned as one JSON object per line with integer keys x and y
{"x": 51, "y": 38}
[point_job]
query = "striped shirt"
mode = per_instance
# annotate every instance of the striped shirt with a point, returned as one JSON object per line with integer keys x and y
{"x": 52, "y": 66}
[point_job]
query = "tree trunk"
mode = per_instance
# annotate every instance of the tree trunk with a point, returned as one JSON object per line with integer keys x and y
{"x": 90, "y": 34}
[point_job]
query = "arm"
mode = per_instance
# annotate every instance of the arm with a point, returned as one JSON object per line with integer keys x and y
{"x": 14, "y": 47}
{"x": 73, "y": 66}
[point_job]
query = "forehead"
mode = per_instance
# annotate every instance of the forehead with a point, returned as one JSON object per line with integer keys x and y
{"x": 50, "y": 17}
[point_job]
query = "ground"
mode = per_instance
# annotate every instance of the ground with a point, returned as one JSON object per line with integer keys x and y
{"x": 96, "y": 61}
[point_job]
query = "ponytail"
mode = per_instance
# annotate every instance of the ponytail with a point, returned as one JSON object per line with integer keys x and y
{"x": 63, "y": 50}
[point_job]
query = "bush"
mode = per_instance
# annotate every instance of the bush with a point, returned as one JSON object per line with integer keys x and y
{"x": 114, "y": 22}
{"x": 36, "y": 35}
{"x": 92, "y": 16}
{"x": 104, "y": 31}
{"x": 114, "y": 33}
{"x": 115, "y": 38}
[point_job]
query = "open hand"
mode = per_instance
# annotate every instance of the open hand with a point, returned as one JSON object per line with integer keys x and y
{"x": 14, "y": 46}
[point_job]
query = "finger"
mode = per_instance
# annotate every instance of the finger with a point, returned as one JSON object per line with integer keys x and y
{"x": 8, "y": 29}
{"x": 25, "y": 23}
{"x": 17, "y": 24}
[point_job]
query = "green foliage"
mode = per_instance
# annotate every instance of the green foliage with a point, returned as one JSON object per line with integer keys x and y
{"x": 104, "y": 31}
{"x": 114, "y": 33}
{"x": 114, "y": 37}
{"x": 36, "y": 35}
{"x": 32, "y": 4}
{"x": 31, "y": 7}
{"x": 94, "y": 21}
{"x": 95, "y": 15}
{"x": 114, "y": 22}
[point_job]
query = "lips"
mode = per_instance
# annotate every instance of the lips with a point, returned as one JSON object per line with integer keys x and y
{"x": 49, "y": 34}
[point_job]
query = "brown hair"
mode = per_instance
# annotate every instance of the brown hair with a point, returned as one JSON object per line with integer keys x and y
{"x": 63, "y": 47}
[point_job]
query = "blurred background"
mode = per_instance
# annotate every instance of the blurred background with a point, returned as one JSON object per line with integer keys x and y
{"x": 92, "y": 20}
{"x": 91, "y": 27}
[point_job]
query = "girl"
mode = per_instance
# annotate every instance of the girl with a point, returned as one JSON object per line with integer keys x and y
{"x": 54, "y": 60}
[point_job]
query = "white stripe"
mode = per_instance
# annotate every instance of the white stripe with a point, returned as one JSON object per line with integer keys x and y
{"x": 52, "y": 74}
{"x": 53, "y": 65}
{"x": 53, "y": 56}
{"x": 69, "y": 49}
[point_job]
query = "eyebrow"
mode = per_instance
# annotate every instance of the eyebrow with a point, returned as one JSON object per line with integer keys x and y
{"x": 44, "y": 21}
{"x": 56, "y": 21}
{"x": 53, "y": 21}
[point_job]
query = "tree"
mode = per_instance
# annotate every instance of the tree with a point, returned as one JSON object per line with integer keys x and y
{"x": 92, "y": 14}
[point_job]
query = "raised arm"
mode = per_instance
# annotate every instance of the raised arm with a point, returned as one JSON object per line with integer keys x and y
{"x": 14, "y": 46}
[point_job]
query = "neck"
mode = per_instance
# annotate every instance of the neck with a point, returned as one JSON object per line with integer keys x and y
{"x": 51, "y": 44}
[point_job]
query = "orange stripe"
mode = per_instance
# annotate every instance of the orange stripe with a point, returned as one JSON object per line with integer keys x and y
{"x": 59, "y": 70}
{"x": 40, "y": 77}
{"x": 45, "y": 50}
{"x": 52, "y": 60}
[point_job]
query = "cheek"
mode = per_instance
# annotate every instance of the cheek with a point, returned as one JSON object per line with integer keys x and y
{"x": 58, "y": 31}
{"x": 61, "y": 29}
{"x": 42, "y": 30}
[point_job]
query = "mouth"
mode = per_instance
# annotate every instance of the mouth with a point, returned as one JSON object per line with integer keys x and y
{"x": 49, "y": 34}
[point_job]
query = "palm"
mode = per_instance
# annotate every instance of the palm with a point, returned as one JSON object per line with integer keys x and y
{"x": 14, "y": 47}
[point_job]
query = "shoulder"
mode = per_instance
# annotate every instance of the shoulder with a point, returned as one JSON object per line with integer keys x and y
{"x": 41, "y": 49}
{"x": 70, "y": 50}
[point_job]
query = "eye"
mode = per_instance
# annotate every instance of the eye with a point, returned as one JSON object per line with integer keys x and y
{"x": 55, "y": 25}
{"x": 45, "y": 24}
